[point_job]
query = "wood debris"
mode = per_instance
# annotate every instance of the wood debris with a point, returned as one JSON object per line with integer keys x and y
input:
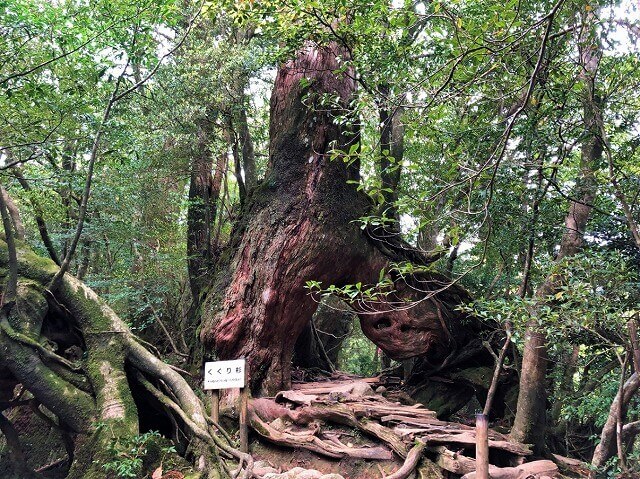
{"x": 306, "y": 416}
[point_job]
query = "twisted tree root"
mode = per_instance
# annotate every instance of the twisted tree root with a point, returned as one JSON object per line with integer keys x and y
{"x": 411, "y": 461}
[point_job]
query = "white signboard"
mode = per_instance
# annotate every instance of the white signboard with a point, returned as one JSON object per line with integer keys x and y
{"x": 224, "y": 374}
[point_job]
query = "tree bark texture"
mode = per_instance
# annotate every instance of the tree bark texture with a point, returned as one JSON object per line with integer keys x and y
{"x": 607, "y": 445}
{"x": 298, "y": 225}
{"x": 204, "y": 189}
{"x": 38, "y": 214}
{"x": 418, "y": 319}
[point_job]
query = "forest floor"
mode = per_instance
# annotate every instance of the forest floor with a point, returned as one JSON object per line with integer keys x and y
{"x": 350, "y": 428}
{"x": 360, "y": 428}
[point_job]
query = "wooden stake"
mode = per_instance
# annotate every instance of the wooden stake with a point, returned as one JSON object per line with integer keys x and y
{"x": 244, "y": 402}
{"x": 215, "y": 405}
{"x": 482, "y": 446}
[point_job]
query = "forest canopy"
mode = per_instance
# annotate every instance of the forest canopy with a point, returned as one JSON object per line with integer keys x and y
{"x": 445, "y": 192}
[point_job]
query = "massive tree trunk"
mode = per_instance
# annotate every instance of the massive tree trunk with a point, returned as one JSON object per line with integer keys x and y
{"x": 299, "y": 225}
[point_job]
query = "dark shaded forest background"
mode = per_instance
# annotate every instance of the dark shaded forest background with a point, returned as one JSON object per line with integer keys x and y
{"x": 478, "y": 160}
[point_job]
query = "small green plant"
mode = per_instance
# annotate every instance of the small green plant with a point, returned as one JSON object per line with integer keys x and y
{"x": 353, "y": 293}
{"x": 128, "y": 454}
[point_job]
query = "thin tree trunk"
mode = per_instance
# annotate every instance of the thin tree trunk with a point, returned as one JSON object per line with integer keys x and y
{"x": 607, "y": 445}
{"x": 529, "y": 423}
{"x": 95, "y": 147}
{"x": 620, "y": 413}
{"x": 39, "y": 217}
{"x": 204, "y": 190}
{"x": 569, "y": 363}
{"x": 232, "y": 139}
{"x": 14, "y": 215}
{"x": 632, "y": 325}
{"x": 615, "y": 432}
{"x": 532, "y": 224}
{"x": 241, "y": 37}
{"x": 83, "y": 267}
{"x": 67, "y": 194}
{"x": 10, "y": 288}
{"x": 496, "y": 373}
{"x": 246, "y": 143}
{"x": 391, "y": 154}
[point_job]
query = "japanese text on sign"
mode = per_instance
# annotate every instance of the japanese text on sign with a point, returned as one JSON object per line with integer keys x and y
{"x": 224, "y": 374}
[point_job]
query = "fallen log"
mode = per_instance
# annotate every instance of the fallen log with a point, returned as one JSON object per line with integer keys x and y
{"x": 530, "y": 470}
{"x": 468, "y": 439}
{"x": 466, "y": 466}
{"x": 429, "y": 417}
{"x": 453, "y": 462}
{"x": 572, "y": 465}
{"x": 465, "y": 438}
{"x": 327, "y": 387}
{"x": 295, "y": 397}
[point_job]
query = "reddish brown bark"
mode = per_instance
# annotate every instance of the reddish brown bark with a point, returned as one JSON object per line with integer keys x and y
{"x": 415, "y": 321}
{"x": 298, "y": 225}
{"x": 298, "y": 222}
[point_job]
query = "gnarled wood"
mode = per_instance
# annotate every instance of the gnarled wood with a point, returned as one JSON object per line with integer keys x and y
{"x": 300, "y": 221}
{"x": 300, "y": 225}
{"x": 410, "y": 463}
{"x": 298, "y": 419}
{"x": 107, "y": 344}
{"x": 530, "y": 470}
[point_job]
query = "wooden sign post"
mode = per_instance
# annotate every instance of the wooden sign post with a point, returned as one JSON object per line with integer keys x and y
{"x": 244, "y": 406}
{"x": 482, "y": 446}
{"x": 226, "y": 375}
{"x": 215, "y": 405}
